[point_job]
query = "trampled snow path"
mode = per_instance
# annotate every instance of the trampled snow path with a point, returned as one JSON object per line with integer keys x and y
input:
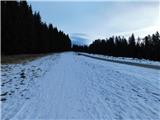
{"x": 77, "y": 87}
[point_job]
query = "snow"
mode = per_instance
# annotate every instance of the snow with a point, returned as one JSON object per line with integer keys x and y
{"x": 18, "y": 82}
{"x": 70, "y": 86}
{"x": 127, "y": 59}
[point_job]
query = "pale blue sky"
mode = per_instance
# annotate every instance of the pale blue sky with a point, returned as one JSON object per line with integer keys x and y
{"x": 101, "y": 19}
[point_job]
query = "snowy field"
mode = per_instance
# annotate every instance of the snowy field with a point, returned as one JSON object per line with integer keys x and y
{"x": 71, "y": 86}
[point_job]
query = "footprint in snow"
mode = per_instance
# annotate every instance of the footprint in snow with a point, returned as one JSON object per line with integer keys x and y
{"x": 22, "y": 75}
{"x": 4, "y": 94}
{"x": 3, "y": 99}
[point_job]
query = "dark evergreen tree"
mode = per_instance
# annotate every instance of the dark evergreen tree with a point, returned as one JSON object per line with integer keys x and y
{"x": 24, "y": 32}
{"x": 131, "y": 46}
{"x": 147, "y": 48}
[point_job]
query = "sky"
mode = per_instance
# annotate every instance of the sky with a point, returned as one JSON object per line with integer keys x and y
{"x": 91, "y": 20}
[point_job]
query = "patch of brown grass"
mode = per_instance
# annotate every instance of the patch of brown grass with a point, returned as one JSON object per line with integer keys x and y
{"x": 14, "y": 59}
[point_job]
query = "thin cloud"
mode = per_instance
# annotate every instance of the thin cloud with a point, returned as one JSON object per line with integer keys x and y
{"x": 94, "y": 20}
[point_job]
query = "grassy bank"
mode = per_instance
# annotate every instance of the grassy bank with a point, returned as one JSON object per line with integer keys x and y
{"x": 14, "y": 59}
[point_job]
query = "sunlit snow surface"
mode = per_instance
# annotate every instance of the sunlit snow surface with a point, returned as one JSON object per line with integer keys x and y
{"x": 70, "y": 86}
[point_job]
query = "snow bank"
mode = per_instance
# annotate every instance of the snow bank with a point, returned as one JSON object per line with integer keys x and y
{"x": 134, "y": 60}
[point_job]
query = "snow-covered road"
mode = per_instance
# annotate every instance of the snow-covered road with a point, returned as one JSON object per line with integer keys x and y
{"x": 78, "y": 87}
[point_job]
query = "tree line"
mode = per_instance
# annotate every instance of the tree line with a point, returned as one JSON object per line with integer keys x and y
{"x": 146, "y": 48}
{"x": 24, "y": 32}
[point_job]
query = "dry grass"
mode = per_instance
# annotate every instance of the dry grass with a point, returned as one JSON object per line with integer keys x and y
{"x": 13, "y": 59}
